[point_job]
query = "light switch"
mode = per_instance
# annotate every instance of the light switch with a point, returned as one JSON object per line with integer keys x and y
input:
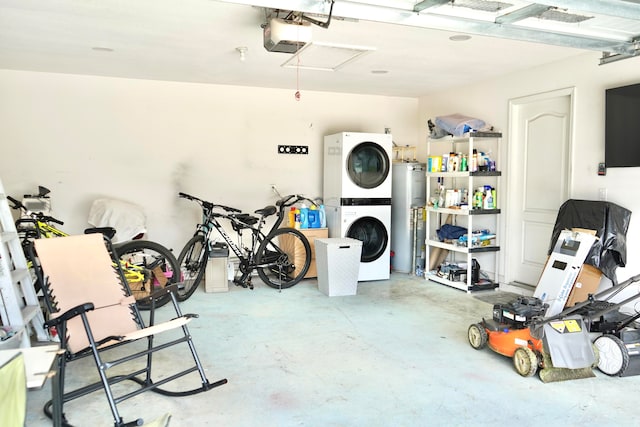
{"x": 602, "y": 194}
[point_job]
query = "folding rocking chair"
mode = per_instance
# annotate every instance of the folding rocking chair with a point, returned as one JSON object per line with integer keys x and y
{"x": 94, "y": 312}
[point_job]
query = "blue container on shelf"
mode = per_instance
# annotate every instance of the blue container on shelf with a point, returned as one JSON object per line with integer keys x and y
{"x": 323, "y": 217}
{"x": 304, "y": 217}
{"x": 314, "y": 218}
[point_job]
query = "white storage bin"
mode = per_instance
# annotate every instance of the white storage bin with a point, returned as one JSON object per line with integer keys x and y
{"x": 338, "y": 263}
{"x": 216, "y": 273}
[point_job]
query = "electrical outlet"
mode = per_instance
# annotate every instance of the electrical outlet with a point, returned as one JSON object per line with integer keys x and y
{"x": 293, "y": 149}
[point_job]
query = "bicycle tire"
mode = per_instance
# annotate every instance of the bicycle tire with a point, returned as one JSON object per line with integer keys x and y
{"x": 154, "y": 262}
{"x": 287, "y": 255}
{"x": 192, "y": 262}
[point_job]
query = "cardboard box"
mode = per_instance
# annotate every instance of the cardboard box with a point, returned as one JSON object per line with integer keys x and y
{"x": 587, "y": 282}
{"x": 311, "y": 234}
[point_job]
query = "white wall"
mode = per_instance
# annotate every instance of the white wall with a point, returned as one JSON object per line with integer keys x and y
{"x": 489, "y": 101}
{"x": 87, "y": 137}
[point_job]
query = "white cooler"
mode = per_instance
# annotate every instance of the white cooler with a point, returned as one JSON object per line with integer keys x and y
{"x": 338, "y": 263}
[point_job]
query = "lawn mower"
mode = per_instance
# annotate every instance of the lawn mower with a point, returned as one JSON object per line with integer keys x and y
{"x": 619, "y": 344}
{"x": 560, "y": 345}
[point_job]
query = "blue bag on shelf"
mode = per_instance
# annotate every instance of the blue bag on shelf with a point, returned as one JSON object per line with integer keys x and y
{"x": 451, "y": 232}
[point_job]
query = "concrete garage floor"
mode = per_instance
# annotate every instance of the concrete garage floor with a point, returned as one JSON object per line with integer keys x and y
{"x": 394, "y": 355}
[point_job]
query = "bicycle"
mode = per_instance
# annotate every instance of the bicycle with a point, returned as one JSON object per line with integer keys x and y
{"x": 281, "y": 257}
{"x": 147, "y": 265}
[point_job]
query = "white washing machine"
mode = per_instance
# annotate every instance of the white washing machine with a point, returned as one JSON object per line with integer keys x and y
{"x": 356, "y": 166}
{"x": 371, "y": 225}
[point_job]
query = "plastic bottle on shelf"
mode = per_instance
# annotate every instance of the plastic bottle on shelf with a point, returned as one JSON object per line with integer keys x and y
{"x": 304, "y": 216}
{"x": 314, "y": 217}
{"x": 474, "y": 161}
{"x": 478, "y": 199}
{"x": 488, "y": 200}
{"x": 296, "y": 225}
{"x": 292, "y": 217}
{"x": 451, "y": 161}
{"x": 323, "y": 217}
{"x": 465, "y": 197}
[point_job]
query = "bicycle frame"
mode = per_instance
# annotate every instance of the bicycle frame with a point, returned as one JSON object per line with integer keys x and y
{"x": 41, "y": 228}
{"x": 275, "y": 264}
{"x": 210, "y": 222}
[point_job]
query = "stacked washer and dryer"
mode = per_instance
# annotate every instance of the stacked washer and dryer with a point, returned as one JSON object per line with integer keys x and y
{"x": 357, "y": 196}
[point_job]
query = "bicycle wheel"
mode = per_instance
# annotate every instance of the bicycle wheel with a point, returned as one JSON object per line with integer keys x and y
{"x": 193, "y": 262}
{"x": 148, "y": 266}
{"x": 283, "y": 258}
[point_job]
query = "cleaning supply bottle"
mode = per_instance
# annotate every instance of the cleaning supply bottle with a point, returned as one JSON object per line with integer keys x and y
{"x": 488, "y": 200}
{"x": 323, "y": 217}
{"x": 304, "y": 216}
{"x": 292, "y": 217}
{"x": 314, "y": 217}
{"x": 297, "y": 216}
{"x": 474, "y": 161}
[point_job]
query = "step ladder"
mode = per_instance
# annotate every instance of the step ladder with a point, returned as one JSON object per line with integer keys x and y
{"x": 19, "y": 305}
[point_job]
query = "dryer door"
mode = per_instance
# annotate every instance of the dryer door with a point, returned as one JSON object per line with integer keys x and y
{"x": 373, "y": 235}
{"x": 368, "y": 165}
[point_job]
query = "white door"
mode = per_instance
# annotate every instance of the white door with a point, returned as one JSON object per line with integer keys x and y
{"x": 538, "y": 180}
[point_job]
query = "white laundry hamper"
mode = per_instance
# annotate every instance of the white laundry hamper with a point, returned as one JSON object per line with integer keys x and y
{"x": 338, "y": 263}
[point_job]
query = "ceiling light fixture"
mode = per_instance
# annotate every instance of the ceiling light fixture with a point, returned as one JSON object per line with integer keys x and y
{"x": 242, "y": 50}
{"x": 102, "y": 49}
{"x": 460, "y": 38}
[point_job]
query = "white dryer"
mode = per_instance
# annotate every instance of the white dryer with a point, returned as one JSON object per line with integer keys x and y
{"x": 356, "y": 166}
{"x": 371, "y": 225}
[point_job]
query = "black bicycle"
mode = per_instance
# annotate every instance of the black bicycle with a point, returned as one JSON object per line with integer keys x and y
{"x": 281, "y": 257}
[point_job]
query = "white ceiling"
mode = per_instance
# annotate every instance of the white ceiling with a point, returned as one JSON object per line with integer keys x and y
{"x": 196, "y": 41}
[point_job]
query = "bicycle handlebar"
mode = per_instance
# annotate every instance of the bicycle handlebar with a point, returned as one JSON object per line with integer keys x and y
{"x": 287, "y": 201}
{"x": 37, "y": 215}
{"x": 45, "y": 218}
{"x": 205, "y": 204}
{"x": 16, "y": 203}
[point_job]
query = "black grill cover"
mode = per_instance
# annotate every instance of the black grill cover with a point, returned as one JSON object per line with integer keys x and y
{"x": 610, "y": 222}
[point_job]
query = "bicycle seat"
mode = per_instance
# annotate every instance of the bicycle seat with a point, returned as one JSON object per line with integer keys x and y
{"x": 107, "y": 231}
{"x": 267, "y": 211}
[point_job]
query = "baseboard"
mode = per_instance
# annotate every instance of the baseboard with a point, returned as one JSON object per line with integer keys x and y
{"x": 518, "y": 288}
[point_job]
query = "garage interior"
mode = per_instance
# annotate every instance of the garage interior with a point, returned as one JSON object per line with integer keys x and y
{"x": 140, "y": 102}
